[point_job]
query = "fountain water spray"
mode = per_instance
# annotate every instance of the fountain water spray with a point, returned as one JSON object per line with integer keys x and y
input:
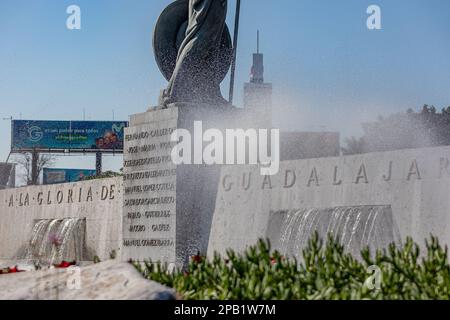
{"x": 355, "y": 227}
{"x": 57, "y": 240}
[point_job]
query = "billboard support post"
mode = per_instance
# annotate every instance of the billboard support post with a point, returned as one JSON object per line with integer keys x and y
{"x": 34, "y": 167}
{"x": 98, "y": 163}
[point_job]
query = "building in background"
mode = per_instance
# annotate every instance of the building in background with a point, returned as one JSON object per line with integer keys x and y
{"x": 7, "y": 175}
{"x": 257, "y": 93}
{"x": 55, "y": 176}
{"x": 308, "y": 145}
{"x": 293, "y": 145}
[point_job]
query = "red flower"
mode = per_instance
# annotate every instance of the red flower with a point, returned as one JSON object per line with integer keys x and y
{"x": 197, "y": 259}
{"x": 273, "y": 261}
{"x": 14, "y": 270}
{"x": 65, "y": 264}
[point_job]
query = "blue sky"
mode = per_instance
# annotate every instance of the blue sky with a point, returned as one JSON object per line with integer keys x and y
{"x": 329, "y": 71}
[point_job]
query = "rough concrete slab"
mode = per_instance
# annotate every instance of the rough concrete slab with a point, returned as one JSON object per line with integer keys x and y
{"x": 104, "y": 281}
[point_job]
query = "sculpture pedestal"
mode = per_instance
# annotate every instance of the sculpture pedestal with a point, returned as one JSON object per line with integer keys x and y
{"x": 168, "y": 209}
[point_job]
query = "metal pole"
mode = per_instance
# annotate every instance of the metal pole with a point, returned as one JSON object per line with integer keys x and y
{"x": 257, "y": 42}
{"x": 10, "y": 151}
{"x": 235, "y": 43}
{"x": 98, "y": 163}
{"x": 34, "y": 167}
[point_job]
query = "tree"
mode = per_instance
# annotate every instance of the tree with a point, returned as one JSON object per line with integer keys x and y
{"x": 25, "y": 160}
{"x": 354, "y": 146}
{"x": 104, "y": 175}
{"x": 426, "y": 128}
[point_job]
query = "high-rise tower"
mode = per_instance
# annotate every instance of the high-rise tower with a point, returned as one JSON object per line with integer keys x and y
{"x": 257, "y": 93}
{"x": 257, "y": 71}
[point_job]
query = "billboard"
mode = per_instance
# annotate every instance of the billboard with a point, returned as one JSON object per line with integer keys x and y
{"x": 61, "y": 136}
{"x": 54, "y": 176}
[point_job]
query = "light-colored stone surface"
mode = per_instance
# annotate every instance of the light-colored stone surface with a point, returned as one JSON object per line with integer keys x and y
{"x": 150, "y": 186}
{"x": 104, "y": 281}
{"x": 97, "y": 201}
{"x": 184, "y": 230}
{"x": 417, "y": 190}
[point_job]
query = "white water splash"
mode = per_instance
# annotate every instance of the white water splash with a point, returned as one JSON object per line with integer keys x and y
{"x": 355, "y": 227}
{"x": 54, "y": 241}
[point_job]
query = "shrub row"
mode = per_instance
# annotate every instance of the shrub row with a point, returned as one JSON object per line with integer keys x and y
{"x": 326, "y": 272}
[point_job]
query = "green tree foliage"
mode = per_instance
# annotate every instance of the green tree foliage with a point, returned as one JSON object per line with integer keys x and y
{"x": 354, "y": 146}
{"x": 427, "y": 128}
{"x": 326, "y": 272}
{"x": 104, "y": 175}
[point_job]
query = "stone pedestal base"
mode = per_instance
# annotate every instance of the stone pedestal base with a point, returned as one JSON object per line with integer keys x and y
{"x": 168, "y": 209}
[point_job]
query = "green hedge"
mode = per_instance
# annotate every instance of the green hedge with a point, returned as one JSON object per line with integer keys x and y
{"x": 104, "y": 175}
{"x": 327, "y": 272}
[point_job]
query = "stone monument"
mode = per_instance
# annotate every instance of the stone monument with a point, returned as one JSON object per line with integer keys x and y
{"x": 193, "y": 50}
{"x": 369, "y": 199}
{"x": 168, "y": 208}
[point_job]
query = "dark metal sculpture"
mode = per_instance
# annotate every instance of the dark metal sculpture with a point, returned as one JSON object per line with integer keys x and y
{"x": 193, "y": 50}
